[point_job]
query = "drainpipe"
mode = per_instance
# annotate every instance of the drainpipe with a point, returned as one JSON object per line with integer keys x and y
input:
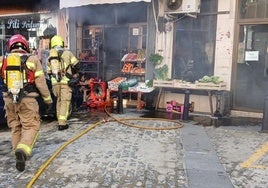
{"x": 264, "y": 127}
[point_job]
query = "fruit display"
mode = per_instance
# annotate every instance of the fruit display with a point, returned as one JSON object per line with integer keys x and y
{"x": 138, "y": 70}
{"x": 127, "y": 67}
{"x": 130, "y": 57}
{"x": 113, "y": 84}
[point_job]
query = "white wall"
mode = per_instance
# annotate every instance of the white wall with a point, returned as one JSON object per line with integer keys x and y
{"x": 164, "y": 40}
{"x": 224, "y": 40}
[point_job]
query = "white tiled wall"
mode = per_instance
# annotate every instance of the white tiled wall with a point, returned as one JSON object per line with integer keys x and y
{"x": 224, "y": 40}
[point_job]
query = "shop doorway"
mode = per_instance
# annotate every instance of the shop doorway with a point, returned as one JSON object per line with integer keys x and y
{"x": 251, "y": 79}
{"x": 115, "y": 42}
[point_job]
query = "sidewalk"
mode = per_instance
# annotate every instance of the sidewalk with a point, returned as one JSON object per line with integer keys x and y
{"x": 115, "y": 155}
{"x": 203, "y": 167}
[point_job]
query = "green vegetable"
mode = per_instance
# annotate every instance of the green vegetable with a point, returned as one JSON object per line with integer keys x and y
{"x": 156, "y": 59}
{"x": 213, "y": 79}
{"x": 161, "y": 73}
{"x": 149, "y": 83}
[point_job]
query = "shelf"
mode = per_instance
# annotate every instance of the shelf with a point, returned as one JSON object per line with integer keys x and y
{"x": 91, "y": 61}
{"x": 87, "y": 49}
{"x": 136, "y": 61}
{"x": 132, "y": 57}
{"x": 133, "y": 74}
{"x": 133, "y": 65}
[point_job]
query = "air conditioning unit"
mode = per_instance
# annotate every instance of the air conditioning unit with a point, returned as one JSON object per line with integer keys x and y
{"x": 181, "y": 6}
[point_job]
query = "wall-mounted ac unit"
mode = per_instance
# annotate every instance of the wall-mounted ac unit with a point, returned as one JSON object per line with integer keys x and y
{"x": 181, "y": 6}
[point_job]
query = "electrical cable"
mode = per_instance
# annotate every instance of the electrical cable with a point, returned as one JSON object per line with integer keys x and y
{"x": 155, "y": 17}
{"x": 122, "y": 121}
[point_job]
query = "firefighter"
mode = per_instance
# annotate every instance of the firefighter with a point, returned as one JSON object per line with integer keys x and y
{"x": 24, "y": 80}
{"x": 62, "y": 67}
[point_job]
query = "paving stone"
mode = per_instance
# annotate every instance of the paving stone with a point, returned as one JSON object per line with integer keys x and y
{"x": 115, "y": 155}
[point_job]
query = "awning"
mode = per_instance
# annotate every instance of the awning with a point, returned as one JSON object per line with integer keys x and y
{"x": 77, "y": 3}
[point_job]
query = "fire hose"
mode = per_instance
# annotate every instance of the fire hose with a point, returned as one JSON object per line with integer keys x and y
{"x": 92, "y": 126}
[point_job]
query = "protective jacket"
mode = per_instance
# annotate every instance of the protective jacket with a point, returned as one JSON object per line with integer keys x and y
{"x": 61, "y": 74}
{"x": 23, "y": 114}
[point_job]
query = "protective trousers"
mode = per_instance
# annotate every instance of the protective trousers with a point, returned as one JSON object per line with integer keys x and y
{"x": 24, "y": 120}
{"x": 63, "y": 93}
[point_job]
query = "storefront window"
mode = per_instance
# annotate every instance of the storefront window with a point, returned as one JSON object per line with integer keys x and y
{"x": 33, "y": 26}
{"x": 250, "y": 9}
{"x": 2, "y": 39}
{"x": 194, "y": 44}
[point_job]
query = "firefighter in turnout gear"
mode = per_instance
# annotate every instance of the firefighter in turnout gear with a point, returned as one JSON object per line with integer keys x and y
{"x": 24, "y": 80}
{"x": 62, "y": 65}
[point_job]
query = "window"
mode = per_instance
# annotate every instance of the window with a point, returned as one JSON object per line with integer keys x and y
{"x": 250, "y": 9}
{"x": 137, "y": 36}
{"x": 194, "y": 43}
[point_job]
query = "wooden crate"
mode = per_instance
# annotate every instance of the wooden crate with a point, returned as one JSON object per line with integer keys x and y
{"x": 186, "y": 85}
{"x": 211, "y": 86}
{"x": 163, "y": 83}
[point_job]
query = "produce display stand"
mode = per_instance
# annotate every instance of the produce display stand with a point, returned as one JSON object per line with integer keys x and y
{"x": 138, "y": 89}
{"x": 133, "y": 65}
{"x": 210, "y": 88}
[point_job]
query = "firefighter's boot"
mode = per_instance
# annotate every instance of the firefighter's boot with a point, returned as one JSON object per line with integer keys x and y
{"x": 63, "y": 127}
{"x": 20, "y": 160}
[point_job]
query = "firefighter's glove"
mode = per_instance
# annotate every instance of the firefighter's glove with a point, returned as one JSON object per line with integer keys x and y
{"x": 73, "y": 81}
{"x": 75, "y": 68}
{"x": 68, "y": 75}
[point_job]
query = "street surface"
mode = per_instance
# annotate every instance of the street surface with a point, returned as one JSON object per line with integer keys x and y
{"x": 115, "y": 155}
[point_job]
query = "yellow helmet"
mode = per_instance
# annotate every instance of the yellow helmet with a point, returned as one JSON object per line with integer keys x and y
{"x": 56, "y": 41}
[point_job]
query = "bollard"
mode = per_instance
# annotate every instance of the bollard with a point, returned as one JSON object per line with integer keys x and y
{"x": 120, "y": 100}
{"x": 264, "y": 127}
{"x": 185, "y": 114}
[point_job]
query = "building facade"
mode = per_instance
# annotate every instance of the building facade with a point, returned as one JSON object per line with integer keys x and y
{"x": 180, "y": 37}
{"x": 222, "y": 38}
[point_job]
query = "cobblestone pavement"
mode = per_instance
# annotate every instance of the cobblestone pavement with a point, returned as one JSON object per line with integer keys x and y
{"x": 115, "y": 155}
{"x": 243, "y": 150}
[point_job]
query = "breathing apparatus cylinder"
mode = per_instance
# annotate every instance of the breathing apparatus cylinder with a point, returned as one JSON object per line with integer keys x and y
{"x": 55, "y": 64}
{"x": 14, "y": 76}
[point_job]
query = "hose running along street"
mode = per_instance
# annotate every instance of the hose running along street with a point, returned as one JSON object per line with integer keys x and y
{"x": 92, "y": 126}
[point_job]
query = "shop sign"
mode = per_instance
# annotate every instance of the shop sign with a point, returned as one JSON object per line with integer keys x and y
{"x": 20, "y": 24}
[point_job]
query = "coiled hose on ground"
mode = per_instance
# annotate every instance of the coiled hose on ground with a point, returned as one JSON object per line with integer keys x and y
{"x": 92, "y": 126}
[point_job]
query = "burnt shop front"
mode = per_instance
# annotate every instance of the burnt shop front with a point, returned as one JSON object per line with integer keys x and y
{"x": 112, "y": 43}
{"x": 108, "y": 34}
